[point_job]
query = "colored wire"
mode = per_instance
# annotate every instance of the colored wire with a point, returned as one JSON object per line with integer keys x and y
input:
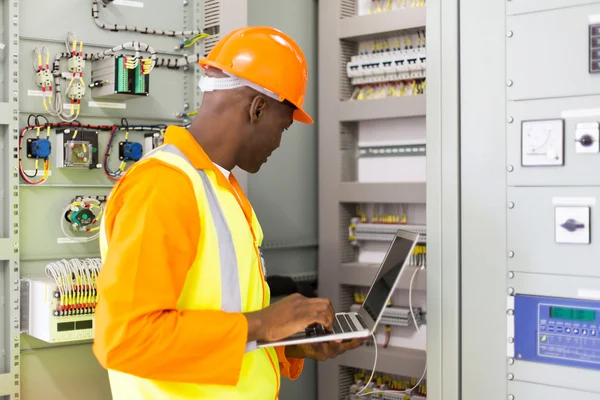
{"x": 192, "y": 41}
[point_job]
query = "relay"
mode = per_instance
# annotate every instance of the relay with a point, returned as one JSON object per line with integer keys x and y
{"x": 39, "y": 148}
{"x": 130, "y": 151}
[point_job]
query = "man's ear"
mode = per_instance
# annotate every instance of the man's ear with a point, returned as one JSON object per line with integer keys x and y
{"x": 257, "y": 108}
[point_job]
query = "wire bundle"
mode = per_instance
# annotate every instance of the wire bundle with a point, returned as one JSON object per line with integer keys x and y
{"x": 389, "y": 89}
{"x": 76, "y": 285}
{"x": 380, "y": 6}
{"x": 406, "y": 41}
{"x": 148, "y": 31}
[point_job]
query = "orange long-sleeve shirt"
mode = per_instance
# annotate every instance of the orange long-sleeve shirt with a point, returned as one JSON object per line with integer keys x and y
{"x": 152, "y": 226}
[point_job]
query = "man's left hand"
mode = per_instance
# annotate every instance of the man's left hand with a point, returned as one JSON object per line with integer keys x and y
{"x": 323, "y": 350}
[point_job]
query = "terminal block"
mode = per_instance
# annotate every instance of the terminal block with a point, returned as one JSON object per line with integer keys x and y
{"x": 359, "y": 231}
{"x": 114, "y": 78}
{"x": 43, "y": 78}
{"x": 54, "y": 318}
{"x": 76, "y": 64}
{"x": 397, "y": 316}
{"x": 76, "y": 91}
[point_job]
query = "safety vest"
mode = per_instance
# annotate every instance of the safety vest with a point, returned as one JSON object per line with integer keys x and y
{"x": 227, "y": 275}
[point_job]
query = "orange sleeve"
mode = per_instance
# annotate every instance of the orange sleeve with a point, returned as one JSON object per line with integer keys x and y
{"x": 152, "y": 225}
{"x": 290, "y": 368}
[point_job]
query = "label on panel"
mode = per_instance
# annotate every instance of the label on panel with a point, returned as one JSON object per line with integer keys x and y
{"x": 129, "y": 3}
{"x": 558, "y": 331}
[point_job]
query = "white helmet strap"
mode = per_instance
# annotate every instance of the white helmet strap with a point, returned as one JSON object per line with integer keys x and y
{"x": 209, "y": 84}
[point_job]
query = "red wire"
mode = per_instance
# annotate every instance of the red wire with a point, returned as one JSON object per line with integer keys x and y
{"x": 113, "y": 128}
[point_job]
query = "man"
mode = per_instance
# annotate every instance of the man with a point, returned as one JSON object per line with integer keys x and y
{"x": 182, "y": 293}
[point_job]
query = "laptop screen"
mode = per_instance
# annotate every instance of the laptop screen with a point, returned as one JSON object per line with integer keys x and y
{"x": 385, "y": 279}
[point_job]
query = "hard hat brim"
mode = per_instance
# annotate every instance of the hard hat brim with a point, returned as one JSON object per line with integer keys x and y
{"x": 299, "y": 114}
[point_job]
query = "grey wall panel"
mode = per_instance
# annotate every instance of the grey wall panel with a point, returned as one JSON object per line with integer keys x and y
{"x": 530, "y": 391}
{"x": 556, "y": 376}
{"x": 522, "y": 7}
{"x": 557, "y": 38}
{"x": 483, "y": 199}
{"x": 63, "y": 373}
{"x": 531, "y": 231}
{"x": 577, "y": 166}
{"x": 283, "y": 193}
{"x": 40, "y": 228}
{"x": 48, "y": 21}
{"x": 291, "y": 261}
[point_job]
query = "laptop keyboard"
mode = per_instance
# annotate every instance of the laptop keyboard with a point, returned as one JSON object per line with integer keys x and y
{"x": 341, "y": 324}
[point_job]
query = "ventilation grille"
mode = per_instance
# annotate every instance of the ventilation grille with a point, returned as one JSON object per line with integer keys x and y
{"x": 347, "y": 297}
{"x": 348, "y": 146}
{"x": 212, "y": 21}
{"x": 346, "y": 380}
{"x": 348, "y": 253}
{"x": 347, "y": 50}
{"x": 347, "y": 8}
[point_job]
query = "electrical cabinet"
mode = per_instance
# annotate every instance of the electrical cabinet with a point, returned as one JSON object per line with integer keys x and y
{"x": 372, "y": 177}
{"x": 529, "y": 199}
{"x": 86, "y": 91}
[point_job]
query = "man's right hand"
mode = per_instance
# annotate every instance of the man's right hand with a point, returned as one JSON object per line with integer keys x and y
{"x": 289, "y": 316}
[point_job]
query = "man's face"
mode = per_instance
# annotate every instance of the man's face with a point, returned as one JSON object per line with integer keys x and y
{"x": 268, "y": 120}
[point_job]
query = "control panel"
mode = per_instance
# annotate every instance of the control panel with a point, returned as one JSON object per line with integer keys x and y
{"x": 557, "y": 331}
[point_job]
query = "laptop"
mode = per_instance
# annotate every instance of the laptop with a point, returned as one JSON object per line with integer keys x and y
{"x": 362, "y": 323}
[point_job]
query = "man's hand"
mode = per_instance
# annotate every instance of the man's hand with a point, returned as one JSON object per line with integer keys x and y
{"x": 323, "y": 350}
{"x": 287, "y": 317}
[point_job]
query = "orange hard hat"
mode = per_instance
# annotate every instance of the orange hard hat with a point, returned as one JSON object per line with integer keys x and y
{"x": 262, "y": 58}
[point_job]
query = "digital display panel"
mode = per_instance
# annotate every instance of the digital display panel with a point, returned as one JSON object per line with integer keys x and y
{"x": 573, "y": 314}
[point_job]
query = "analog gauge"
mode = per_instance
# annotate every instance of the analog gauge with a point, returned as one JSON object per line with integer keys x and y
{"x": 542, "y": 143}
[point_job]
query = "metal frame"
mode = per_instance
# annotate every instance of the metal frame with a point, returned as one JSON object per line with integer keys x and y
{"x": 483, "y": 199}
{"x": 9, "y": 245}
{"x": 443, "y": 201}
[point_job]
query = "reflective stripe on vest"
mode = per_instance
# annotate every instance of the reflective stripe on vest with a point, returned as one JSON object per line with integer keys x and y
{"x": 231, "y": 300}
